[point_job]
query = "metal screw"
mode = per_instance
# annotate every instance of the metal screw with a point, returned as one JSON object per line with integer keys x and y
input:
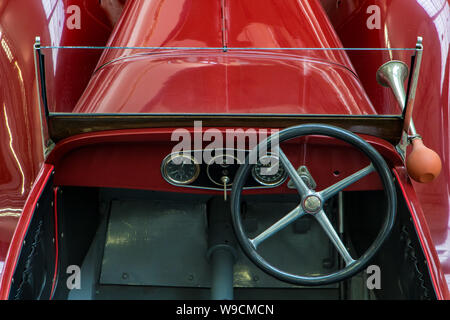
{"x": 124, "y": 276}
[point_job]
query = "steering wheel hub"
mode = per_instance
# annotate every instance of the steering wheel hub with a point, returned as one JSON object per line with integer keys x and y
{"x": 312, "y": 204}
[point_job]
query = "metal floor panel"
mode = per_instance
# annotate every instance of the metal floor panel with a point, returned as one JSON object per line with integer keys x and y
{"x": 157, "y": 243}
{"x": 164, "y": 243}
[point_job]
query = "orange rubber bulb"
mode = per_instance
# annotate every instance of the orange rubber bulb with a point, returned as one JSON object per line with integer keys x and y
{"x": 423, "y": 164}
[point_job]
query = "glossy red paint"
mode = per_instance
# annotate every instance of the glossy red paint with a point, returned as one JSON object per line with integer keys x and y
{"x": 275, "y": 24}
{"x": 21, "y": 230}
{"x": 225, "y": 82}
{"x": 20, "y": 143}
{"x": 113, "y": 9}
{"x": 438, "y": 275}
{"x": 68, "y": 71}
{"x": 21, "y": 152}
{"x": 225, "y": 23}
{"x": 429, "y": 19}
{"x": 187, "y": 23}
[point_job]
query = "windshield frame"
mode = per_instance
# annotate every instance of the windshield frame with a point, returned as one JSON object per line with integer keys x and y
{"x": 63, "y": 125}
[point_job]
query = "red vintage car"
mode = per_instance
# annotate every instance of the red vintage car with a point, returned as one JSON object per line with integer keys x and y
{"x": 224, "y": 149}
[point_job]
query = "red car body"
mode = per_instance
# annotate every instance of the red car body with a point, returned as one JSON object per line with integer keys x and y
{"x": 201, "y": 82}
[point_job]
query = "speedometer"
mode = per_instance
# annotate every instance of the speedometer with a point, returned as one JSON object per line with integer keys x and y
{"x": 269, "y": 171}
{"x": 180, "y": 169}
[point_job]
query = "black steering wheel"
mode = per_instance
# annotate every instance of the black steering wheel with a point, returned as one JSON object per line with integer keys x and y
{"x": 312, "y": 204}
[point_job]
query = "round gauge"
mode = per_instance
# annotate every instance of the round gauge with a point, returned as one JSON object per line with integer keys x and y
{"x": 180, "y": 169}
{"x": 269, "y": 171}
{"x": 221, "y": 167}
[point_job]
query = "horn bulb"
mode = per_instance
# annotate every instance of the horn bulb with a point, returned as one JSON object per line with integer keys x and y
{"x": 423, "y": 164}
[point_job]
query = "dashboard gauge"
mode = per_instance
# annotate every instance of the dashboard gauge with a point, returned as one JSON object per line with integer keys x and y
{"x": 180, "y": 169}
{"x": 222, "y": 166}
{"x": 269, "y": 171}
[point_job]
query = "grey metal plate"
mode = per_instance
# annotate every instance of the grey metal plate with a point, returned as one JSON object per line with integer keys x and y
{"x": 158, "y": 243}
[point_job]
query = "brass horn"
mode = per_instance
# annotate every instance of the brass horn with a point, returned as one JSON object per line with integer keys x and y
{"x": 393, "y": 74}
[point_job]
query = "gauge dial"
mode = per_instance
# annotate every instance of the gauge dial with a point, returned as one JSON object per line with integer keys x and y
{"x": 269, "y": 171}
{"x": 222, "y": 166}
{"x": 180, "y": 169}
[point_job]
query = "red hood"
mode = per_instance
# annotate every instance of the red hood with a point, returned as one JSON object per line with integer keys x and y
{"x": 195, "y": 82}
{"x": 213, "y": 81}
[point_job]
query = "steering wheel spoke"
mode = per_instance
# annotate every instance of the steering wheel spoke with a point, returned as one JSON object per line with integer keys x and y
{"x": 331, "y": 191}
{"x": 300, "y": 185}
{"x": 323, "y": 220}
{"x": 279, "y": 225}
